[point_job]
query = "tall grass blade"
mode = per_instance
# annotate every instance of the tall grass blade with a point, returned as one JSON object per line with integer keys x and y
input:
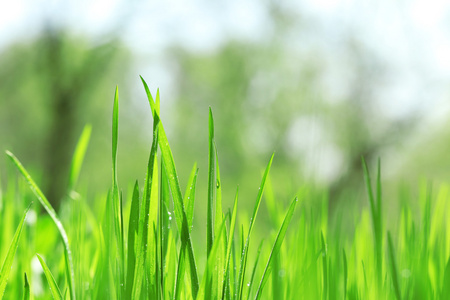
{"x": 393, "y": 266}
{"x": 144, "y": 217}
{"x": 446, "y": 283}
{"x": 180, "y": 213}
{"x": 48, "y": 207}
{"x": 211, "y": 187}
{"x": 189, "y": 195}
{"x": 7, "y": 263}
{"x": 276, "y": 247}
{"x": 206, "y": 290}
{"x": 116, "y": 201}
{"x": 133, "y": 227}
{"x": 230, "y": 242}
{"x": 26, "y": 288}
{"x": 375, "y": 208}
{"x": 244, "y": 253}
{"x": 324, "y": 267}
{"x": 344, "y": 258}
{"x": 252, "y": 277}
{"x": 78, "y": 157}
{"x": 56, "y": 293}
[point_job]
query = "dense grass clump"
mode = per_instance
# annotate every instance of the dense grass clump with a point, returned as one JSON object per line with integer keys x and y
{"x": 140, "y": 246}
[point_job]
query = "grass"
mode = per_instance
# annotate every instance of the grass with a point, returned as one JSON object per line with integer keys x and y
{"x": 142, "y": 245}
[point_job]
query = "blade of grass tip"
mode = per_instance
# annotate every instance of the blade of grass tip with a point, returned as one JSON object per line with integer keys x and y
{"x": 393, "y": 267}
{"x": 78, "y": 157}
{"x": 7, "y": 263}
{"x": 180, "y": 213}
{"x": 376, "y": 221}
{"x": 211, "y": 186}
{"x": 189, "y": 195}
{"x": 252, "y": 277}
{"x": 276, "y": 247}
{"x": 117, "y": 218}
{"x": 26, "y": 288}
{"x": 133, "y": 226}
{"x": 230, "y": 239}
{"x": 344, "y": 257}
{"x": 252, "y": 220}
{"x": 324, "y": 267}
{"x": 50, "y": 210}
{"x": 144, "y": 217}
{"x": 56, "y": 292}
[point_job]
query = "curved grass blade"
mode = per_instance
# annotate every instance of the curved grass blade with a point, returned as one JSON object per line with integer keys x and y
{"x": 276, "y": 247}
{"x": 56, "y": 293}
{"x": 26, "y": 288}
{"x": 393, "y": 268}
{"x": 48, "y": 207}
{"x": 244, "y": 254}
{"x": 180, "y": 213}
{"x": 78, "y": 156}
{"x": 7, "y": 264}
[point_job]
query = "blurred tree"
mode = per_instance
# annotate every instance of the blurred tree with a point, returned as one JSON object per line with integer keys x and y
{"x": 272, "y": 94}
{"x": 49, "y": 88}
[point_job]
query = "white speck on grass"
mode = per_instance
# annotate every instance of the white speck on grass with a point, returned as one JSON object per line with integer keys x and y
{"x": 31, "y": 217}
{"x": 406, "y": 273}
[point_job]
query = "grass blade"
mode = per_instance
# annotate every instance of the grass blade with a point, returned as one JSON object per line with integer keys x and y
{"x": 211, "y": 187}
{"x": 375, "y": 208}
{"x": 230, "y": 241}
{"x": 189, "y": 195}
{"x": 206, "y": 288}
{"x": 344, "y": 257}
{"x": 78, "y": 156}
{"x": 393, "y": 267}
{"x": 276, "y": 247}
{"x": 26, "y": 288}
{"x": 48, "y": 207}
{"x": 144, "y": 216}
{"x": 56, "y": 293}
{"x": 252, "y": 277}
{"x": 133, "y": 227}
{"x": 7, "y": 264}
{"x": 116, "y": 201}
{"x": 180, "y": 213}
{"x": 244, "y": 254}
{"x": 324, "y": 267}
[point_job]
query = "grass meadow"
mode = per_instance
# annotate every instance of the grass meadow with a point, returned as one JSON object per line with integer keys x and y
{"x": 139, "y": 245}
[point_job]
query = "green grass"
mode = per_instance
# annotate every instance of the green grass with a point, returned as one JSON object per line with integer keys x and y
{"x": 145, "y": 246}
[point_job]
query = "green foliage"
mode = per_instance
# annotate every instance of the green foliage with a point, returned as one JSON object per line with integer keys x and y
{"x": 128, "y": 247}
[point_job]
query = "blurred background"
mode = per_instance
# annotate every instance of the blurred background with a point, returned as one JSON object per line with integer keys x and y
{"x": 320, "y": 82}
